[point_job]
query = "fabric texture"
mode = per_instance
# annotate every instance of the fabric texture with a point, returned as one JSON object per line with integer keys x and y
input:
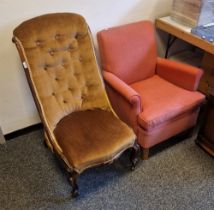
{"x": 123, "y": 108}
{"x": 118, "y": 53}
{"x": 155, "y": 96}
{"x": 180, "y": 74}
{"x": 60, "y": 64}
{"x": 128, "y": 103}
{"x": 91, "y": 137}
{"x": 161, "y": 103}
{"x": 149, "y": 138}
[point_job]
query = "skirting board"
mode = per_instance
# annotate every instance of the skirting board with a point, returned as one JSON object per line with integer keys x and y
{"x": 2, "y": 139}
{"x": 23, "y": 131}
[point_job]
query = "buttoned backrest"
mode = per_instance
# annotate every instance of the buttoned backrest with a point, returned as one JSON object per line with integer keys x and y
{"x": 58, "y": 56}
{"x": 129, "y": 51}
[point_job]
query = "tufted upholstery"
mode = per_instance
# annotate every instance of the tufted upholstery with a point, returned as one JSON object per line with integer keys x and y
{"x": 59, "y": 61}
{"x": 58, "y": 56}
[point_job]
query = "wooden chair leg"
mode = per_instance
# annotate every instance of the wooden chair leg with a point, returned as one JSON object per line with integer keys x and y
{"x": 134, "y": 156}
{"x": 191, "y": 132}
{"x": 145, "y": 155}
{"x": 73, "y": 182}
{"x": 45, "y": 144}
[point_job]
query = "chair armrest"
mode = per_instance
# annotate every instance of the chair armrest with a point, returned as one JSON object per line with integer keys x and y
{"x": 123, "y": 89}
{"x": 183, "y": 75}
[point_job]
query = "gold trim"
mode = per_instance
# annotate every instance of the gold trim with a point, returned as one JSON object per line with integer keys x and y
{"x": 49, "y": 128}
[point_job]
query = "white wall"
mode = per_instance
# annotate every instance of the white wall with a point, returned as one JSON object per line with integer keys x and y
{"x": 17, "y": 109}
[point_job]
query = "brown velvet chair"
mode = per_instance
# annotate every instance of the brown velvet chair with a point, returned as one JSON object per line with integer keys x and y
{"x": 157, "y": 97}
{"x": 57, "y": 54}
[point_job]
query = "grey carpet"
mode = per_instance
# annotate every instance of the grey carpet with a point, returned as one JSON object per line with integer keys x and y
{"x": 179, "y": 177}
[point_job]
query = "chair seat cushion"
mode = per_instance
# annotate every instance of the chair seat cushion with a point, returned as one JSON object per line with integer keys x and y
{"x": 163, "y": 102}
{"x": 92, "y": 137}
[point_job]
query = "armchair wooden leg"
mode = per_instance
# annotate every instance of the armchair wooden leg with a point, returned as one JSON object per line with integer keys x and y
{"x": 145, "y": 155}
{"x": 191, "y": 132}
{"x": 73, "y": 182}
{"x": 134, "y": 156}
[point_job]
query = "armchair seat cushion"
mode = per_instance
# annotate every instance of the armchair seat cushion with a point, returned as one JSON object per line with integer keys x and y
{"x": 89, "y": 138}
{"x": 164, "y": 102}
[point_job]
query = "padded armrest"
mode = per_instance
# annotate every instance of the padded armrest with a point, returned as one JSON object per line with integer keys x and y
{"x": 183, "y": 75}
{"x": 121, "y": 87}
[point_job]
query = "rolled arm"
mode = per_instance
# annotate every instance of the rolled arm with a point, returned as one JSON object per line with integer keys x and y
{"x": 183, "y": 75}
{"x": 123, "y": 89}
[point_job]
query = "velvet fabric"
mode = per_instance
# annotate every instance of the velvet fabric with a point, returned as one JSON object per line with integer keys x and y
{"x": 91, "y": 137}
{"x": 155, "y": 96}
{"x": 60, "y": 64}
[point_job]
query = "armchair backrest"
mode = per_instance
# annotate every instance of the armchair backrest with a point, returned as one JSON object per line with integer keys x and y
{"x": 129, "y": 51}
{"x": 59, "y": 60}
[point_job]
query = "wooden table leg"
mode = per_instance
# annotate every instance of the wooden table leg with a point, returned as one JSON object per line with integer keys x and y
{"x": 207, "y": 81}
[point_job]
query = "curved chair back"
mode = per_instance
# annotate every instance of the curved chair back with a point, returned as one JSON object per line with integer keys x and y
{"x": 59, "y": 60}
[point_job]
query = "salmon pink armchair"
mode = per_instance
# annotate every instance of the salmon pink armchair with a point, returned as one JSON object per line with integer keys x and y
{"x": 155, "y": 96}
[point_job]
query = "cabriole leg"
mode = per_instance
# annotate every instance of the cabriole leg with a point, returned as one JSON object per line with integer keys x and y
{"x": 73, "y": 182}
{"x": 134, "y": 156}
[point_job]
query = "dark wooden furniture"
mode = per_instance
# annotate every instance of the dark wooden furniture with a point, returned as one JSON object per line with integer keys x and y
{"x": 206, "y": 133}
